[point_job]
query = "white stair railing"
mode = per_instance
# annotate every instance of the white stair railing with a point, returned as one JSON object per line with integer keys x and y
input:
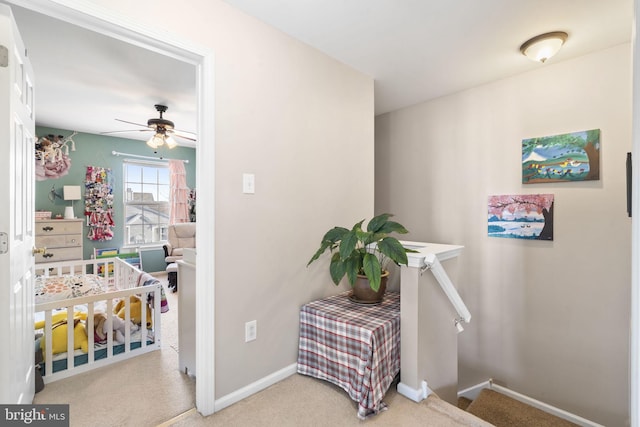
{"x": 432, "y": 263}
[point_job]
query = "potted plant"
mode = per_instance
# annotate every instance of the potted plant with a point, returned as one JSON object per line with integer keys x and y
{"x": 363, "y": 256}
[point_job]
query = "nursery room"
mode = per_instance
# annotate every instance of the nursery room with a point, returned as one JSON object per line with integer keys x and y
{"x": 114, "y": 211}
{"x": 126, "y": 193}
{"x": 105, "y": 220}
{"x": 540, "y": 250}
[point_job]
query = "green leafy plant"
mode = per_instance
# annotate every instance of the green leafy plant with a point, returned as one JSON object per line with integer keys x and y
{"x": 359, "y": 252}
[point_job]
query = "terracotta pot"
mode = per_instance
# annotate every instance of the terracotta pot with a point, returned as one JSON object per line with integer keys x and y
{"x": 362, "y": 292}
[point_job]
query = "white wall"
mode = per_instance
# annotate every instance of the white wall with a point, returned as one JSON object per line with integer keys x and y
{"x": 550, "y": 319}
{"x": 297, "y": 119}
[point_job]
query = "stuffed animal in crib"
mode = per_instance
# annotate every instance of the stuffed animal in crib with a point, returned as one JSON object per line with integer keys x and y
{"x": 136, "y": 311}
{"x": 99, "y": 328}
{"x": 59, "y": 333}
{"x": 118, "y": 326}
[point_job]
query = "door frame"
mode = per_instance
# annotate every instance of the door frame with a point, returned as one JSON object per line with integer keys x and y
{"x": 634, "y": 365}
{"x": 99, "y": 20}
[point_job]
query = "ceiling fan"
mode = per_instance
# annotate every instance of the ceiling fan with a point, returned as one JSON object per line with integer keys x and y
{"x": 164, "y": 130}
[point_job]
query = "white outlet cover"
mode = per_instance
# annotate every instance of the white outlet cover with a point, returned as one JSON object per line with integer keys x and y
{"x": 250, "y": 330}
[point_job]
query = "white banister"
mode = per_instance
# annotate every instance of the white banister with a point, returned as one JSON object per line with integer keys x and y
{"x": 447, "y": 286}
{"x": 429, "y": 346}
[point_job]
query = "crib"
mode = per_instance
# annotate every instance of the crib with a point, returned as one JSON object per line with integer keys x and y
{"x": 101, "y": 283}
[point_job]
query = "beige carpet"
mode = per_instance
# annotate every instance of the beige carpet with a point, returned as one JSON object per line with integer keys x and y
{"x": 503, "y": 411}
{"x": 149, "y": 390}
{"x": 303, "y": 401}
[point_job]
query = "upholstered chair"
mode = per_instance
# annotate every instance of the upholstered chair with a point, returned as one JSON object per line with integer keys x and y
{"x": 182, "y": 235}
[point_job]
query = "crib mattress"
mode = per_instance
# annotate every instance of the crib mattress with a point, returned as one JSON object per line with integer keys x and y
{"x": 57, "y": 288}
{"x": 83, "y": 358}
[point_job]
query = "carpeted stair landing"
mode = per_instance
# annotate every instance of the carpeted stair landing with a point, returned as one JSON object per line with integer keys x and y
{"x": 503, "y": 411}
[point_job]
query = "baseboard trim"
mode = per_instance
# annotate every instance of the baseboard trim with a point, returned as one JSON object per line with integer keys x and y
{"x": 472, "y": 392}
{"x": 417, "y": 395}
{"x": 255, "y": 387}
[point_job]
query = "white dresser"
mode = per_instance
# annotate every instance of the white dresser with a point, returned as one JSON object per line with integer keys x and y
{"x": 61, "y": 237}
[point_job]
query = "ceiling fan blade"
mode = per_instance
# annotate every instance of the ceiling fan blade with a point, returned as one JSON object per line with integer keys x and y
{"x": 183, "y": 133}
{"x": 183, "y": 137}
{"x": 132, "y": 123}
{"x": 126, "y": 131}
{"x": 160, "y": 125}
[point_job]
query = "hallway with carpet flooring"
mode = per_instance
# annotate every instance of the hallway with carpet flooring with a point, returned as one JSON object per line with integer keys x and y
{"x": 150, "y": 390}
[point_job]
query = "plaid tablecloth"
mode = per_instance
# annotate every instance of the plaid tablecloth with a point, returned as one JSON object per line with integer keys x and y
{"x": 355, "y": 346}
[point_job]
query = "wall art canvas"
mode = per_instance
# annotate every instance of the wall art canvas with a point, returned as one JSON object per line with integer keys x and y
{"x": 525, "y": 216}
{"x": 561, "y": 158}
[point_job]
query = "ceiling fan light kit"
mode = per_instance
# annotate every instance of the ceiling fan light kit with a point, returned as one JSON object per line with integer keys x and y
{"x": 171, "y": 143}
{"x": 160, "y": 139}
{"x": 541, "y": 48}
{"x": 161, "y": 126}
{"x": 155, "y": 141}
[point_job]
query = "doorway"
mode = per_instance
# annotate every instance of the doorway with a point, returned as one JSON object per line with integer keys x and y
{"x": 78, "y": 13}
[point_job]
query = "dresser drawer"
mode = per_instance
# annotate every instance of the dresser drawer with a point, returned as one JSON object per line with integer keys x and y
{"x": 54, "y": 241}
{"x": 55, "y": 227}
{"x": 59, "y": 254}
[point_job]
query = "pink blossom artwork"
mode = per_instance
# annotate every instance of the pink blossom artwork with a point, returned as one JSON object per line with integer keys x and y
{"x": 525, "y": 216}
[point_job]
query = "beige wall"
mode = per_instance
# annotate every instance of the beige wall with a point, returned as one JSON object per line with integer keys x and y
{"x": 550, "y": 319}
{"x": 303, "y": 124}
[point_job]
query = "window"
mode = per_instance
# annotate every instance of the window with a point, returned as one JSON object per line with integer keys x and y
{"x": 146, "y": 203}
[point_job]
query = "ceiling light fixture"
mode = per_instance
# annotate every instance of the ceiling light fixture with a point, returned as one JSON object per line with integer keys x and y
{"x": 160, "y": 139}
{"x": 161, "y": 126}
{"x": 542, "y": 47}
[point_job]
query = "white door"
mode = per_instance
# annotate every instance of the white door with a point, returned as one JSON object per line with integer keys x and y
{"x": 17, "y": 142}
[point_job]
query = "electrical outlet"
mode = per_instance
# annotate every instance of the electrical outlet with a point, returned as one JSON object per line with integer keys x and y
{"x": 250, "y": 330}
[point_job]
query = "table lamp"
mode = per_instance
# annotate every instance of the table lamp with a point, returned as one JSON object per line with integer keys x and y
{"x": 70, "y": 192}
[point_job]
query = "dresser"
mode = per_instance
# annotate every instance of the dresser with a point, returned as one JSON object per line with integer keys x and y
{"x": 62, "y": 238}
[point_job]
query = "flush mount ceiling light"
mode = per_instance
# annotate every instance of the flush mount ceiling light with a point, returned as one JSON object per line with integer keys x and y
{"x": 542, "y": 47}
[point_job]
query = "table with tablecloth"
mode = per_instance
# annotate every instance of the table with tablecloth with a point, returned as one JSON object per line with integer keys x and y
{"x": 355, "y": 346}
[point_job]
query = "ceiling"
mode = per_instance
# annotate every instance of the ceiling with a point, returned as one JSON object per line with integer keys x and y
{"x": 84, "y": 80}
{"x": 418, "y": 50}
{"x": 415, "y": 50}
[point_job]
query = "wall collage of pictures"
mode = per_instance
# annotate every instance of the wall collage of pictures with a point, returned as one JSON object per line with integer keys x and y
{"x": 568, "y": 157}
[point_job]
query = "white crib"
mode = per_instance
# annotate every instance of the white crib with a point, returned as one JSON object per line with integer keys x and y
{"x": 123, "y": 281}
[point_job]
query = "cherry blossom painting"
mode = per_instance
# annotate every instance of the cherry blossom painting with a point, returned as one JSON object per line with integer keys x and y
{"x": 561, "y": 158}
{"x": 525, "y": 216}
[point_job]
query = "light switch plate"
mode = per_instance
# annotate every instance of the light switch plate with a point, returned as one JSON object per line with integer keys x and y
{"x": 248, "y": 183}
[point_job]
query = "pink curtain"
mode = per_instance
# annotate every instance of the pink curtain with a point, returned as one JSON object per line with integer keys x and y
{"x": 179, "y": 197}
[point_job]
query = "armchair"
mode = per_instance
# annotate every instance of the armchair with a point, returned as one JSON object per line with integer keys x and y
{"x": 180, "y": 236}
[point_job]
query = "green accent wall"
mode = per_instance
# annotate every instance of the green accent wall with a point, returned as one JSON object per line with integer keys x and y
{"x": 95, "y": 150}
